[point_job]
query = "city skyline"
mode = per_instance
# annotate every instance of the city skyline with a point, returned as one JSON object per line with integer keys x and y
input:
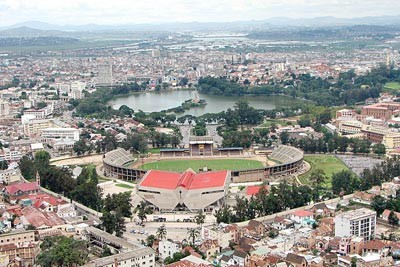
{"x": 78, "y": 12}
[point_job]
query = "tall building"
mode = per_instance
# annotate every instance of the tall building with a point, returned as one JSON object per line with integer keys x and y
{"x": 360, "y": 222}
{"x": 105, "y": 75}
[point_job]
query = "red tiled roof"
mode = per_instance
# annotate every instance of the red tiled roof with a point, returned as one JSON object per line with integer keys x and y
{"x": 38, "y": 219}
{"x": 302, "y": 213}
{"x": 24, "y": 187}
{"x": 188, "y": 180}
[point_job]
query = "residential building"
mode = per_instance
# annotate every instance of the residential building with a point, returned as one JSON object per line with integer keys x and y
{"x": 139, "y": 257}
{"x": 360, "y": 222}
{"x": 167, "y": 248}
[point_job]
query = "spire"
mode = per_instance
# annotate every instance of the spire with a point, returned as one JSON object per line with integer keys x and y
{"x": 38, "y": 178}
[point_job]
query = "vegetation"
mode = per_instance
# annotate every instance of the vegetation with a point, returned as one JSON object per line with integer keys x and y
{"x": 62, "y": 251}
{"x": 328, "y": 163}
{"x": 211, "y": 164}
{"x": 348, "y": 89}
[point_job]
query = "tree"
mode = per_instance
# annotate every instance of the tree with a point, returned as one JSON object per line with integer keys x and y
{"x": 106, "y": 252}
{"x": 27, "y": 168}
{"x": 317, "y": 177}
{"x": 345, "y": 181}
{"x": 41, "y": 160}
{"x": 199, "y": 218}
{"x": 193, "y": 233}
{"x": 142, "y": 210}
{"x": 393, "y": 219}
{"x": 161, "y": 232}
{"x": 150, "y": 240}
{"x": 379, "y": 149}
{"x": 120, "y": 227}
{"x": 108, "y": 222}
{"x": 62, "y": 251}
{"x": 378, "y": 204}
{"x": 80, "y": 147}
{"x": 3, "y": 165}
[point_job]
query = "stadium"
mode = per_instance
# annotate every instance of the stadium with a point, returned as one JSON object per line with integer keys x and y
{"x": 205, "y": 189}
{"x": 286, "y": 160}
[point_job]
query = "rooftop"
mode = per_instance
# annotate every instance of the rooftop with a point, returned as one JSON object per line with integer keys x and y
{"x": 188, "y": 180}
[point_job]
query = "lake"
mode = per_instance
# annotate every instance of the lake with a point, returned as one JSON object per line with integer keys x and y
{"x": 153, "y": 101}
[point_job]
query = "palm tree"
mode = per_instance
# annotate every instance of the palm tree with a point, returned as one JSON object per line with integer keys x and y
{"x": 193, "y": 234}
{"x": 161, "y": 232}
{"x": 199, "y": 218}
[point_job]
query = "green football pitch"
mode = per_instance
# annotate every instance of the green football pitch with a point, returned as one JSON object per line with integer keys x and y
{"x": 213, "y": 164}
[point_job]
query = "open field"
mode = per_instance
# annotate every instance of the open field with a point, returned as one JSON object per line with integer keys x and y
{"x": 328, "y": 163}
{"x": 213, "y": 164}
{"x": 270, "y": 122}
{"x": 392, "y": 86}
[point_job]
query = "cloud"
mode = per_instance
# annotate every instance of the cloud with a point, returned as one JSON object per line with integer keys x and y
{"x": 156, "y": 11}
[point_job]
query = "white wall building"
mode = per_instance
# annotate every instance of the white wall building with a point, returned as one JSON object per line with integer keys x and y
{"x": 60, "y": 133}
{"x": 167, "y": 248}
{"x": 360, "y": 222}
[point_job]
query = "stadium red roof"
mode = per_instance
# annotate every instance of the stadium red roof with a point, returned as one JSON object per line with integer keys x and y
{"x": 188, "y": 180}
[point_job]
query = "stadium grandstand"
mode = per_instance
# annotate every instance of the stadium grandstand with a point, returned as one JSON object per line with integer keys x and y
{"x": 288, "y": 160}
{"x": 169, "y": 191}
{"x": 116, "y": 165}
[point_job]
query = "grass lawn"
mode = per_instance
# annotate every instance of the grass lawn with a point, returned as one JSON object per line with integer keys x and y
{"x": 392, "y": 86}
{"x": 125, "y": 186}
{"x": 328, "y": 163}
{"x": 217, "y": 164}
{"x": 269, "y": 122}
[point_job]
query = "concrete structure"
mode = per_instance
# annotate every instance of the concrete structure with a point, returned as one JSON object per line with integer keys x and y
{"x": 143, "y": 257}
{"x": 167, "y": 248}
{"x": 116, "y": 164}
{"x": 105, "y": 75}
{"x": 18, "y": 236}
{"x": 382, "y": 111}
{"x": 360, "y": 222}
{"x": 168, "y": 191}
{"x": 382, "y": 135}
{"x": 60, "y": 133}
{"x": 35, "y": 127}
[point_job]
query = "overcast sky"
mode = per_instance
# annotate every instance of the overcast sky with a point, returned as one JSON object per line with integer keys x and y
{"x": 113, "y": 12}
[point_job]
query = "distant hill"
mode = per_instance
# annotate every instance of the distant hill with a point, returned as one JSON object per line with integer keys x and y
{"x": 234, "y": 26}
{"x": 24, "y": 31}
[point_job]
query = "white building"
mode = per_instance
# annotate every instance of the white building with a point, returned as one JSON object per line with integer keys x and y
{"x": 60, "y": 133}
{"x": 4, "y": 108}
{"x": 360, "y": 222}
{"x": 140, "y": 257}
{"x": 167, "y": 248}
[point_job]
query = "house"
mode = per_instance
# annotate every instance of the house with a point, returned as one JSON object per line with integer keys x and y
{"x": 240, "y": 257}
{"x": 320, "y": 209}
{"x": 16, "y": 191}
{"x": 210, "y": 247}
{"x": 66, "y": 211}
{"x": 281, "y": 223}
{"x": 167, "y": 248}
{"x": 330, "y": 259}
{"x": 296, "y": 260}
{"x": 40, "y": 220}
{"x": 257, "y": 227}
{"x": 363, "y": 197}
{"x": 375, "y": 247}
{"x": 386, "y": 212}
{"x": 303, "y": 217}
